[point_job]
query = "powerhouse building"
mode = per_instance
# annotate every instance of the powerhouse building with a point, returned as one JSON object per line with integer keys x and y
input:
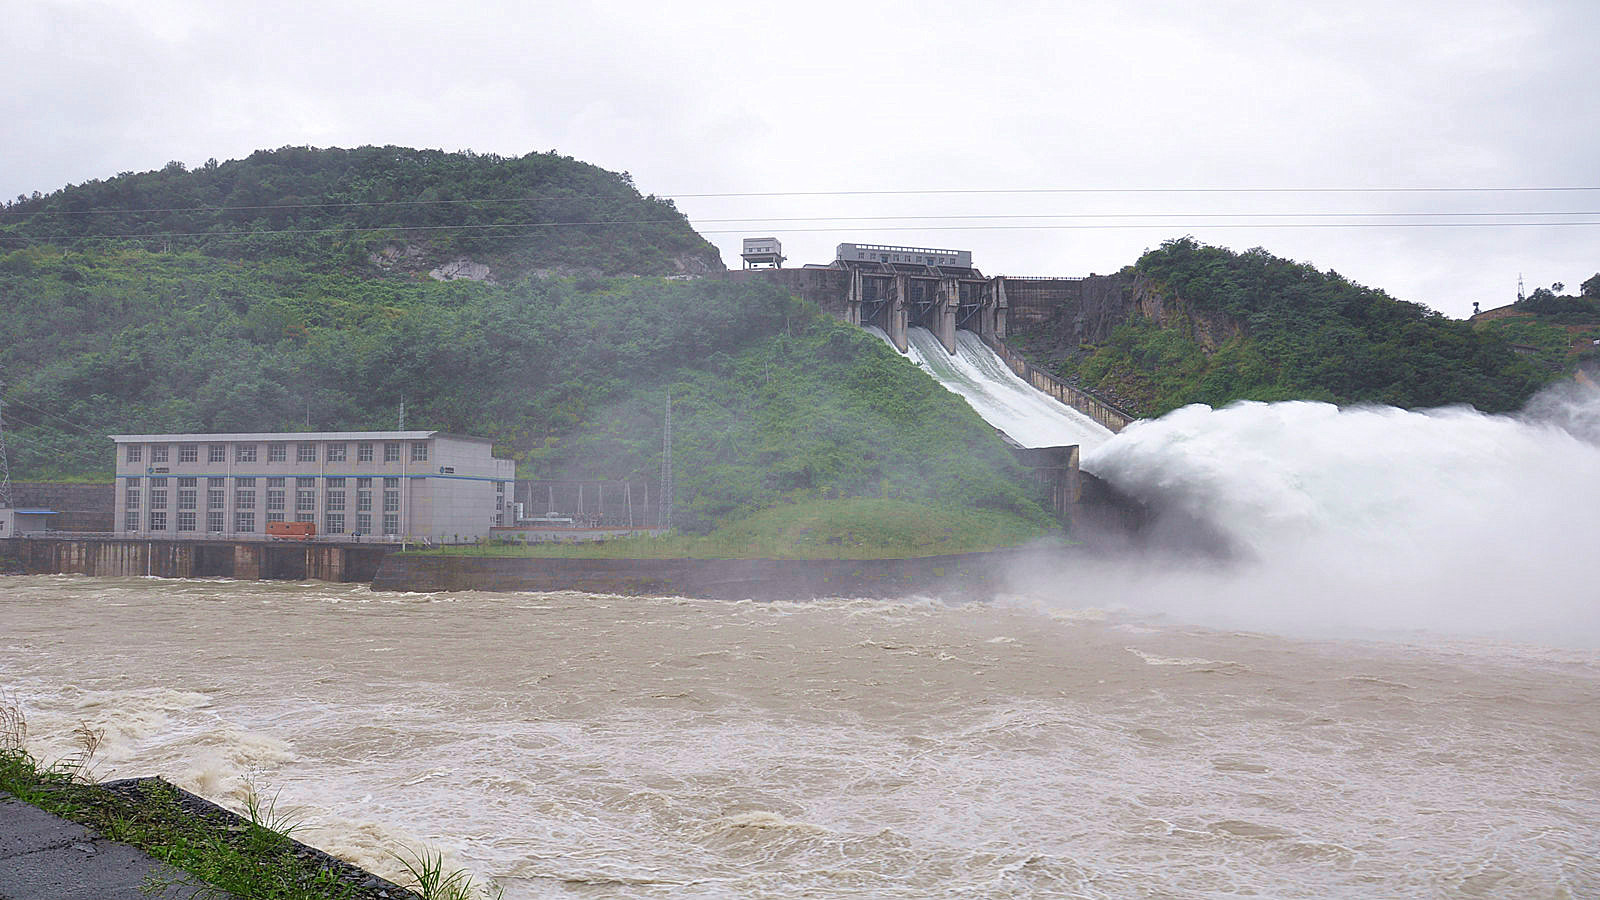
{"x": 411, "y": 484}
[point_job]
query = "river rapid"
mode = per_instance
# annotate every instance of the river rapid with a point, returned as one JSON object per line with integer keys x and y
{"x": 575, "y": 745}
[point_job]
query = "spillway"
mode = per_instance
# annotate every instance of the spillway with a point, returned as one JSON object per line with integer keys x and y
{"x": 1026, "y": 415}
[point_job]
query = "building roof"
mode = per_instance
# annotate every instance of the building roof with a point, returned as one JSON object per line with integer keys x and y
{"x": 34, "y": 512}
{"x": 237, "y": 437}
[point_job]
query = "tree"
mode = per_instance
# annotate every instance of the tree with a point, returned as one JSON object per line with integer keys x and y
{"x": 1591, "y": 288}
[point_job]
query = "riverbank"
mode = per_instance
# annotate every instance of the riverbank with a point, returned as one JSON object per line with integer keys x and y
{"x": 951, "y": 577}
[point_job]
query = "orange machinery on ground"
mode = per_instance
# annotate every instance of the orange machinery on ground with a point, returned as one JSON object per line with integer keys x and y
{"x": 291, "y": 530}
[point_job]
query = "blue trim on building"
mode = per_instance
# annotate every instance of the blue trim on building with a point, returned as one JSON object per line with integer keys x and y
{"x": 326, "y": 475}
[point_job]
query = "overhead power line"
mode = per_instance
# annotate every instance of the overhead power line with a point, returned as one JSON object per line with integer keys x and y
{"x": 836, "y": 193}
{"x": 984, "y": 223}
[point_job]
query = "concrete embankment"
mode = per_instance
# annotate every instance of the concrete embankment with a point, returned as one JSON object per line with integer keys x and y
{"x": 965, "y": 576}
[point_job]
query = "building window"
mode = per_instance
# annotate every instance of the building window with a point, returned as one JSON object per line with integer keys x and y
{"x": 245, "y": 521}
{"x": 186, "y": 521}
{"x": 336, "y": 452}
{"x": 364, "y": 451}
{"x": 188, "y": 482}
{"x": 335, "y": 481}
{"x": 216, "y": 482}
{"x": 305, "y": 500}
{"x": 245, "y": 498}
{"x": 159, "y": 481}
{"x": 158, "y": 453}
{"x": 135, "y": 453}
{"x": 186, "y": 499}
{"x": 274, "y": 503}
{"x": 305, "y": 482}
{"x": 275, "y": 482}
{"x": 306, "y": 517}
{"x": 188, "y": 453}
{"x": 391, "y": 501}
{"x": 499, "y": 487}
{"x": 391, "y": 452}
{"x": 419, "y": 452}
{"x": 248, "y": 481}
{"x": 336, "y": 500}
{"x": 244, "y": 453}
{"x": 274, "y": 517}
{"x": 158, "y": 521}
{"x": 130, "y": 520}
{"x": 391, "y": 524}
{"x": 158, "y": 500}
{"x": 133, "y": 497}
{"x": 334, "y": 523}
{"x": 213, "y": 521}
{"x": 216, "y": 498}
{"x": 277, "y": 453}
{"x": 217, "y": 453}
{"x": 364, "y": 484}
{"x": 364, "y": 501}
{"x": 305, "y": 453}
{"x": 363, "y": 523}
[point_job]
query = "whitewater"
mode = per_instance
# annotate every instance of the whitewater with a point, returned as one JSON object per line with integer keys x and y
{"x": 998, "y": 395}
{"x": 1388, "y": 686}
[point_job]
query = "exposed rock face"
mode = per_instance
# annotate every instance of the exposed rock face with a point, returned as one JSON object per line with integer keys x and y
{"x": 462, "y": 268}
{"x": 696, "y": 264}
{"x": 1208, "y": 329}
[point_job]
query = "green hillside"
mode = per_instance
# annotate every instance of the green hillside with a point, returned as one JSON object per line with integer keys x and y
{"x": 773, "y": 401}
{"x": 374, "y": 208}
{"x": 1252, "y": 326}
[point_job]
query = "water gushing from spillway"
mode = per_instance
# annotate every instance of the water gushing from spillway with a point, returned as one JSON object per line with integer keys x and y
{"x": 1027, "y": 416}
{"x": 1375, "y": 517}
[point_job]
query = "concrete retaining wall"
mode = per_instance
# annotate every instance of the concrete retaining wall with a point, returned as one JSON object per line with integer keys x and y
{"x": 196, "y": 559}
{"x": 966, "y": 576}
{"x": 1077, "y": 398}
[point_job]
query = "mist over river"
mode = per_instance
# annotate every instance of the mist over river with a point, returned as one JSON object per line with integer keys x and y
{"x": 572, "y": 745}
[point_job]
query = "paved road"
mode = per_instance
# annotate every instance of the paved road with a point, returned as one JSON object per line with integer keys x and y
{"x": 45, "y": 857}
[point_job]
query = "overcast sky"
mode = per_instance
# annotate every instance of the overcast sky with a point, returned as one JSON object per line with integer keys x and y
{"x": 1120, "y": 98}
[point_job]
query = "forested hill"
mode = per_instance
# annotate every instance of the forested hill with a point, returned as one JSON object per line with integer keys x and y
{"x": 1201, "y": 324}
{"x": 567, "y": 370}
{"x": 371, "y": 210}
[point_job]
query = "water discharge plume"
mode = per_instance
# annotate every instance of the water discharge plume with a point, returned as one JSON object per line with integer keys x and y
{"x": 1373, "y": 517}
{"x": 977, "y": 375}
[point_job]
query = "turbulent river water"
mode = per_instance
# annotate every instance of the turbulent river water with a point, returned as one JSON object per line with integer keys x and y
{"x": 581, "y": 745}
{"x": 1391, "y": 688}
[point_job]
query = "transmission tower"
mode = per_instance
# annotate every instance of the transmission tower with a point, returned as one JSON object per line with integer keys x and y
{"x": 666, "y": 467}
{"x": 5, "y": 464}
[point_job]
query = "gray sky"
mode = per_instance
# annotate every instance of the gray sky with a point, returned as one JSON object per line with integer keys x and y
{"x": 928, "y": 96}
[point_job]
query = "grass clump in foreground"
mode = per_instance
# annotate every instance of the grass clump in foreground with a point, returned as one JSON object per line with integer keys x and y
{"x": 253, "y": 860}
{"x": 820, "y": 529}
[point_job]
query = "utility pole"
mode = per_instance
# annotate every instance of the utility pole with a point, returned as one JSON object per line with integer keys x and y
{"x": 5, "y": 464}
{"x": 402, "y": 413}
{"x": 666, "y": 467}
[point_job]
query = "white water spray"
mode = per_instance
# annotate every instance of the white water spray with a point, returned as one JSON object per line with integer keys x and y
{"x": 977, "y": 375}
{"x": 1375, "y": 518}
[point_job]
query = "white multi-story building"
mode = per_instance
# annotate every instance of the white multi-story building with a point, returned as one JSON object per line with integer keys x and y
{"x": 411, "y": 484}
